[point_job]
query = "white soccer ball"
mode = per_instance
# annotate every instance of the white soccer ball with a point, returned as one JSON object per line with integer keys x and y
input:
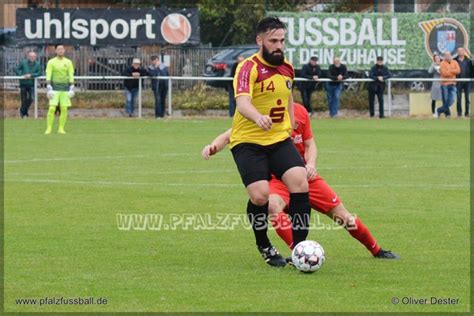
{"x": 308, "y": 256}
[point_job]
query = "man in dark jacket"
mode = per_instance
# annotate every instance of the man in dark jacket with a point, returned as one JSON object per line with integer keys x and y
{"x": 29, "y": 68}
{"x": 131, "y": 85}
{"x": 159, "y": 86}
{"x": 466, "y": 72}
{"x": 310, "y": 71}
{"x": 337, "y": 72}
{"x": 379, "y": 73}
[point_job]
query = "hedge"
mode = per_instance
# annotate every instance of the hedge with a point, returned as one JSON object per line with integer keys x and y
{"x": 199, "y": 98}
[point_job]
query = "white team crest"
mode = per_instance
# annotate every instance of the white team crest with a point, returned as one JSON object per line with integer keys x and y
{"x": 298, "y": 139}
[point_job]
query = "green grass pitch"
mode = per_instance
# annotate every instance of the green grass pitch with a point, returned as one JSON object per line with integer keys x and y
{"x": 408, "y": 180}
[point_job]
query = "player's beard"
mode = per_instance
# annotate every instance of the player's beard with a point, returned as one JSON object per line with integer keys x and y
{"x": 272, "y": 58}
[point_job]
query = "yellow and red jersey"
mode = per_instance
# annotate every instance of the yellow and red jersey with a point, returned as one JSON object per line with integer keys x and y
{"x": 269, "y": 88}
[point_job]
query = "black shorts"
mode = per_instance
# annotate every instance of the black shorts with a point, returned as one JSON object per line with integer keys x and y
{"x": 256, "y": 162}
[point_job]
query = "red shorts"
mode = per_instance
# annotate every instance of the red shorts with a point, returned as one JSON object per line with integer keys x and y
{"x": 321, "y": 197}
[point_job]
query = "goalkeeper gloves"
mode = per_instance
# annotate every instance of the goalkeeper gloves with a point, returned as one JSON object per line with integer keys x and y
{"x": 71, "y": 91}
{"x": 50, "y": 92}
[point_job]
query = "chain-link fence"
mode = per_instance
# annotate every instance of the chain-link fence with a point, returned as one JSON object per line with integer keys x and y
{"x": 111, "y": 61}
{"x": 393, "y": 100}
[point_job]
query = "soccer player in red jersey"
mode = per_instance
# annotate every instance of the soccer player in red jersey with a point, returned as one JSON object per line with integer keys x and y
{"x": 322, "y": 198}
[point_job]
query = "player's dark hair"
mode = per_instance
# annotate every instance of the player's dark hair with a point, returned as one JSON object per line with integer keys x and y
{"x": 314, "y": 58}
{"x": 60, "y": 44}
{"x": 268, "y": 24}
{"x": 154, "y": 57}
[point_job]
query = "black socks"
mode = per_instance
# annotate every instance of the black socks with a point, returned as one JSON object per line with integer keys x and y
{"x": 258, "y": 217}
{"x": 299, "y": 211}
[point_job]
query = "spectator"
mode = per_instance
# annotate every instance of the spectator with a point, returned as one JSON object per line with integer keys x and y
{"x": 159, "y": 86}
{"x": 29, "y": 68}
{"x": 230, "y": 87}
{"x": 465, "y": 64}
{"x": 310, "y": 71}
{"x": 131, "y": 85}
{"x": 187, "y": 71}
{"x": 187, "y": 68}
{"x": 436, "y": 86}
{"x": 379, "y": 73}
{"x": 337, "y": 72}
{"x": 449, "y": 69}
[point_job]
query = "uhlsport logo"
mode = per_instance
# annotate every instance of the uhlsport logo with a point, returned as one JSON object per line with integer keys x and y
{"x": 176, "y": 29}
{"x": 107, "y": 26}
{"x": 444, "y": 35}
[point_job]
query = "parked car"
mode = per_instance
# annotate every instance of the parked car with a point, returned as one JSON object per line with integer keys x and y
{"x": 220, "y": 65}
{"x": 414, "y": 85}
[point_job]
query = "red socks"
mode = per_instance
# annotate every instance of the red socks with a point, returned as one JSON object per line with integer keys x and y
{"x": 360, "y": 232}
{"x": 282, "y": 225}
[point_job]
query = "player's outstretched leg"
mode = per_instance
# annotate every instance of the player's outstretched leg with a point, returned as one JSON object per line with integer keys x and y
{"x": 279, "y": 219}
{"x": 62, "y": 120}
{"x": 50, "y": 119}
{"x": 359, "y": 231}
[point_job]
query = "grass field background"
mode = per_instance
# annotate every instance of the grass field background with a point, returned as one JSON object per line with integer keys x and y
{"x": 408, "y": 180}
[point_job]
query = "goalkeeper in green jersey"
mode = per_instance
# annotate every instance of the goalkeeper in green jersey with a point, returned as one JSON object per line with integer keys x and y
{"x": 60, "y": 84}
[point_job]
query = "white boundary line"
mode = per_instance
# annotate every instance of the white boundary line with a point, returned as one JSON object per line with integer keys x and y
{"x": 73, "y": 158}
{"x": 196, "y": 185}
{"x": 128, "y": 172}
{"x": 123, "y": 183}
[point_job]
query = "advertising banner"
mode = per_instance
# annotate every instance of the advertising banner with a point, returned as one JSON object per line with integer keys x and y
{"x": 405, "y": 40}
{"x": 99, "y": 27}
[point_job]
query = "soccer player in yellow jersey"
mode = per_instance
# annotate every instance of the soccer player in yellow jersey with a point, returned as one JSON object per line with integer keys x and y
{"x": 60, "y": 84}
{"x": 260, "y": 140}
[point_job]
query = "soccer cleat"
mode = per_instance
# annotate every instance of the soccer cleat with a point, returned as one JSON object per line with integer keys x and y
{"x": 48, "y": 131}
{"x": 386, "y": 254}
{"x": 289, "y": 261}
{"x": 61, "y": 131}
{"x": 272, "y": 256}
